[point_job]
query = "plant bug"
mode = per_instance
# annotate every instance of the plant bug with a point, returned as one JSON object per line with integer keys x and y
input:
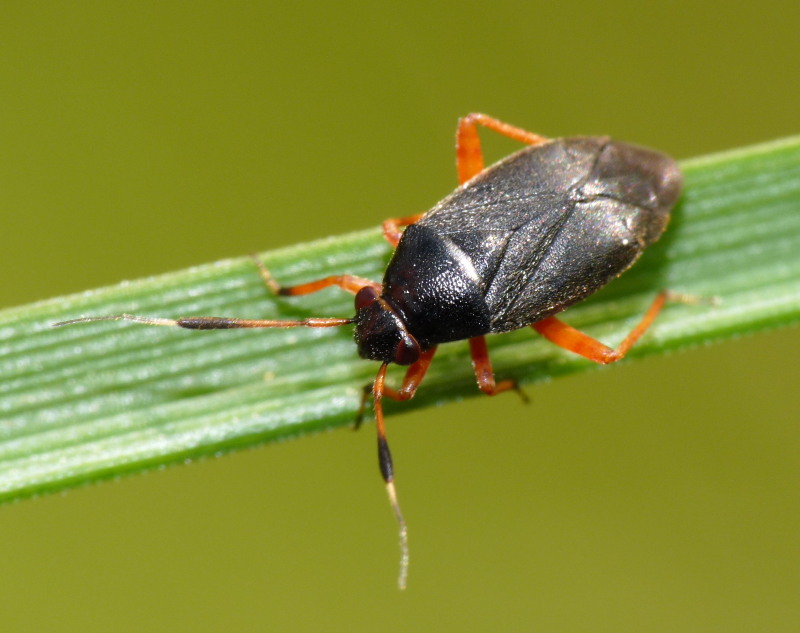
{"x": 512, "y": 246}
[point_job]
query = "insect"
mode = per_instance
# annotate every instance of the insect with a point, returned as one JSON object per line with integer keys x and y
{"x": 513, "y": 246}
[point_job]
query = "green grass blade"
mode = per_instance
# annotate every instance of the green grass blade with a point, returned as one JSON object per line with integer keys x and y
{"x": 91, "y": 401}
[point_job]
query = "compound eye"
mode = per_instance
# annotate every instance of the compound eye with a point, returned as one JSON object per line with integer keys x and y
{"x": 365, "y": 297}
{"x": 407, "y": 351}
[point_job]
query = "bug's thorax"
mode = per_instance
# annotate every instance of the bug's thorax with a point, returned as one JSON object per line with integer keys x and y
{"x": 381, "y": 333}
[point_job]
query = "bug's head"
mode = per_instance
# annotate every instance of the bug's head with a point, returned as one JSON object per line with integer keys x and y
{"x": 381, "y": 333}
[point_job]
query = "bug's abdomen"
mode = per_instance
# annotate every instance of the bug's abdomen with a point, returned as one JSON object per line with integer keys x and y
{"x": 436, "y": 289}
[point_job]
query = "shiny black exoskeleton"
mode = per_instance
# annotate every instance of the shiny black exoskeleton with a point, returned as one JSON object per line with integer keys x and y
{"x": 523, "y": 240}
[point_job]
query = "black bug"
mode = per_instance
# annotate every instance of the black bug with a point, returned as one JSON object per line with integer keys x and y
{"x": 514, "y": 245}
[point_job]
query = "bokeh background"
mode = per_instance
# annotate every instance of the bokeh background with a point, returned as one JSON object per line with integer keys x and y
{"x": 139, "y": 138}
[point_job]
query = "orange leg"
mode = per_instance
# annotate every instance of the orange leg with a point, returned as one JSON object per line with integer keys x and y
{"x": 391, "y": 227}
{"x": 484, "y": 373}
{"x": 576, "y": 341}
{"x": 411, "y": 381}
{"x": 469, "y": 160}
{"x": 469, "y": 156}
{"x": 350, "y": 283}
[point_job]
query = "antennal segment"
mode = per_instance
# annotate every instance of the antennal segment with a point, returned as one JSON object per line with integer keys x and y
{"x": 211, "y": 323}
{"x": 387, "y": 471}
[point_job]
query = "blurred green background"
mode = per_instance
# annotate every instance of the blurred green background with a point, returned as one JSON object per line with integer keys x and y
{"x": 144, "y": 137}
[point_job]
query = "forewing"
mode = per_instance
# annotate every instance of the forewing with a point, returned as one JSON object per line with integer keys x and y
{"x": 553, "y": 223}
{"x": 527, "y": 189}
{"x": 561, "y": 258}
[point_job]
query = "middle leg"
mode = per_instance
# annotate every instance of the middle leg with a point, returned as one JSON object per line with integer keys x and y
{"x": 484, "y": 373}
